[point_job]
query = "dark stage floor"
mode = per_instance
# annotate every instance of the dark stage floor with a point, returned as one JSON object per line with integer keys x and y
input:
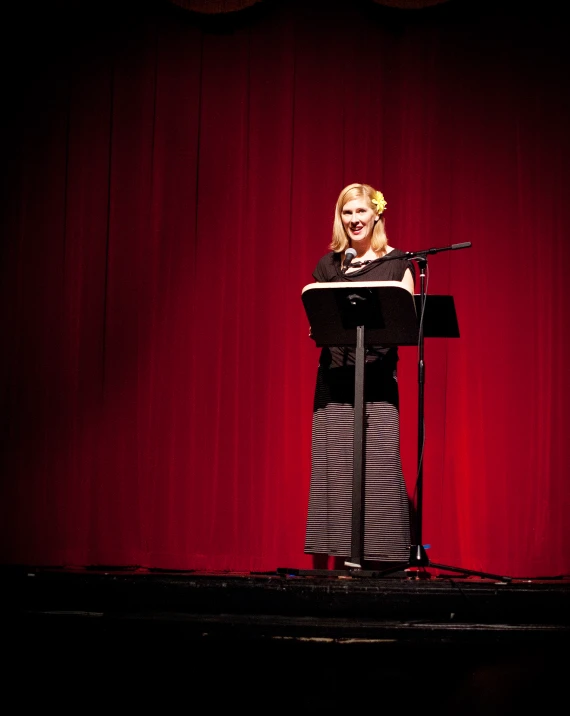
{"x": 460, "y": 643}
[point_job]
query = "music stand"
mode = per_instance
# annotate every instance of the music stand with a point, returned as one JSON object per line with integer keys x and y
{"x": 361, "y": 314}
{"x": 381, "y": 313}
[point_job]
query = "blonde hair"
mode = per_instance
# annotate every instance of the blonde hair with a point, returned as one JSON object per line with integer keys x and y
{"x": 340, "y": 241}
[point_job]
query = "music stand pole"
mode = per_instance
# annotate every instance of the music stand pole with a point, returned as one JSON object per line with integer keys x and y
{"x": 357, "y": 535}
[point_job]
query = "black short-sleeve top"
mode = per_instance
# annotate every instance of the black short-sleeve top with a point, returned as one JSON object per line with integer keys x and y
{"x": 329, "y": 268}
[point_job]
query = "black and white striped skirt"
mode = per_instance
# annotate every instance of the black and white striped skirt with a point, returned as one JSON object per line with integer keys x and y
{"x": 385, "y": 508}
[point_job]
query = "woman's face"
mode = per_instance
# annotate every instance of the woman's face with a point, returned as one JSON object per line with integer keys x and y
{"x": 358, "y": 219}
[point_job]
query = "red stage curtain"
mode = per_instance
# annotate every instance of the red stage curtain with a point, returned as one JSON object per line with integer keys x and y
{"x": 168, "y": 184}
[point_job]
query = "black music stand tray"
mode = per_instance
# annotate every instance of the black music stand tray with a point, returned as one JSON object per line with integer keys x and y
{"x": 359, "y": 314}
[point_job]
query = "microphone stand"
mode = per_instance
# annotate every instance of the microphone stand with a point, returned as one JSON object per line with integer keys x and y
{"x": 418, "y": 556}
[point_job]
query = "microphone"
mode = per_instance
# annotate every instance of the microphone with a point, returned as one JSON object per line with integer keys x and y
{"x": 349, "y": 254}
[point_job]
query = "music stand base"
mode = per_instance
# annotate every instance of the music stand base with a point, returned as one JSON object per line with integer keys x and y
{"x": 419, "y": 558}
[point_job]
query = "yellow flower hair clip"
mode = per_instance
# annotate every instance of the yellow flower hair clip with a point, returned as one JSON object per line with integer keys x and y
{"x": 380, "y": 202}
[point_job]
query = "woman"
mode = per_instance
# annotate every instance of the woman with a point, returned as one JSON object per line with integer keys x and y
{"x": 359, "y": 224}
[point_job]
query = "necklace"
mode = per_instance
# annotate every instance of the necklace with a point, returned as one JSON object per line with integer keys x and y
{"x": 358, "y": 264}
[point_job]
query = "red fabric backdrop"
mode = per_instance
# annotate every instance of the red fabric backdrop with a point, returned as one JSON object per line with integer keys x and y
{"x": 168, "y": 183}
